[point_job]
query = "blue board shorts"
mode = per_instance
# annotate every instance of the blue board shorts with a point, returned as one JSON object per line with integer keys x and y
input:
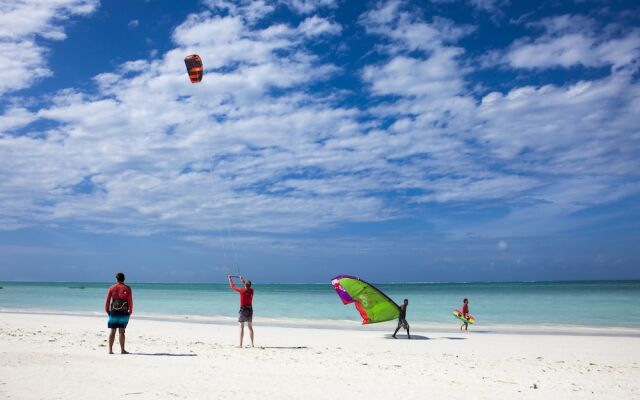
{"x": 118, "y": 320}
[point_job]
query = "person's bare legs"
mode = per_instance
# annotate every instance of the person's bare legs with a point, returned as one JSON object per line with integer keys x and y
{"x": 250, "y": 323}
{"x": 394, "y": 333}
{"x": 112, "y": 338}
{"x": 241, "y": 333}
{"x": 122, "y": 350}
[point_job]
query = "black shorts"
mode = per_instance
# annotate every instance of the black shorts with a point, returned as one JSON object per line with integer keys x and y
{"x": 245, "y": 314}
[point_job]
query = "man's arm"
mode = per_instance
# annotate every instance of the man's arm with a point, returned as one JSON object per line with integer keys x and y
{"x": 108, "y": 302}
{"x": 130, "y": 300}
{"x": 231, "y": 284}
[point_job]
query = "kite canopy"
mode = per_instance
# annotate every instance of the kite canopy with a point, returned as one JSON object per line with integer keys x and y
{"x": 194, "y": 67}
{"x": 373, "y": 305}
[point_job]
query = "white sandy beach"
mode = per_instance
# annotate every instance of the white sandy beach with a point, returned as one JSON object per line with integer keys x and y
{"x": 65, "y": 357}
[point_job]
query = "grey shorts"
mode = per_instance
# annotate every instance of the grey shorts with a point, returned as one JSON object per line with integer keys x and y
{"x": 245, "y": 314}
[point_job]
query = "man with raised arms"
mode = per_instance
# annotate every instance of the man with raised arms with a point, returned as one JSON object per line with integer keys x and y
{"x": 246, "y": 308}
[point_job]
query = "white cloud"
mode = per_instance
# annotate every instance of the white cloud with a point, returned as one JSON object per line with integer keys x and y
{"x": 435, "y": 110}
{"x": 586, "y": 132}
{"x": 315, "y": 26}
{"x": 252, "y": 148}
{"x": 254, "y": 10}
{"x": 22, "y": 18}
{"x": 476, "y": 188}
{"x": 564, "y": 24}
{"x": 574, "y": 129}
{"x": 14, "y": 57}
{"x": 309, "y": 6}
{"x": 133, "y": 23}
{"x": 574, "y": 40}
{"x": 15, "y": 118}
{"x": 436, "y": 73}
{"x": 22, "y": 60}
{"x": 151, "y": 154}
{"x": 433, "y": 77}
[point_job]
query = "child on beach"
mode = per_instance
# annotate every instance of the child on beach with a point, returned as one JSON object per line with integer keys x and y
{"x": 119, "y": 306}
{"x": 246, "y": 307}
{"x": 465, "y": 313}
{"x": 402, "y": 320}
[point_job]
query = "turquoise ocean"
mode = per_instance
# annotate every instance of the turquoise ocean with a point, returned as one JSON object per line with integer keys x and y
{"x": 595, "y": 304}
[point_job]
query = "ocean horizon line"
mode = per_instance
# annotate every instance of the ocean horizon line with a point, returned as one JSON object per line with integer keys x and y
{"x": 328, "y": 282}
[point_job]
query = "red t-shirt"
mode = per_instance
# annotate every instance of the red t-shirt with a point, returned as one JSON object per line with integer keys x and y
{"x": 246, "y": 295}
{"x": 119, "y": 291}
{"x": 465, "y": 309}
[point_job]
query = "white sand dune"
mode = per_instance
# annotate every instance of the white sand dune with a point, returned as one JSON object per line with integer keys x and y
{"x": 65, "y": 357}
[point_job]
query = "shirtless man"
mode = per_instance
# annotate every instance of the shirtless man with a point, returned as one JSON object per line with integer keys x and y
{"x": 402, "y": 320}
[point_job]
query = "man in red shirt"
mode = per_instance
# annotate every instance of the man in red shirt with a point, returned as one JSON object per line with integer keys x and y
{"x": 246, "y": 308}
{"x": 119, "y": 306}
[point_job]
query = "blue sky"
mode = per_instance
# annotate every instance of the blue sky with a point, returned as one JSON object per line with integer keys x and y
{"x": 451, "y": 140}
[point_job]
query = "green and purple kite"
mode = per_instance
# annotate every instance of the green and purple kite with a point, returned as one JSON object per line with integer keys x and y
{"x": 373, "y": 305}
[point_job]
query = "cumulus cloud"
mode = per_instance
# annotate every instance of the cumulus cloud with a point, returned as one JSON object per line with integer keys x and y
{"x": 254, "y": 148}
{"x": 433, "y": 109}
{"x": 15, "y": 118}
{"x": 434, "y": 72}
{"x": 316, "y": 26}
{"x": 571, "y": 40}
{"x": 577, "y": 128}
{"x": 21, "y": 22}
{"x": 309, "y": 6}
{"x": 151, "y": 151}
{"x": 253, "y": 10}
{"x": 584, "y": 132}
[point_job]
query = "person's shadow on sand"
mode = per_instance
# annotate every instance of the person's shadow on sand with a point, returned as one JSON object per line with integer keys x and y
{"x": 404, "y": 337}
{"x": 420, "y": 337}
{"x": 165, "y": 354}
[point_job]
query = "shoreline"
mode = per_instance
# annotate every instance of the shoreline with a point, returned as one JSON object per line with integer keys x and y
{"x": 349, "y": 325}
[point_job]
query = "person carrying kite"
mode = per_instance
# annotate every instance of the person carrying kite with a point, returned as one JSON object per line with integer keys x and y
{"x": 465, "y": 314}
{"x": 402, "y": 320}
